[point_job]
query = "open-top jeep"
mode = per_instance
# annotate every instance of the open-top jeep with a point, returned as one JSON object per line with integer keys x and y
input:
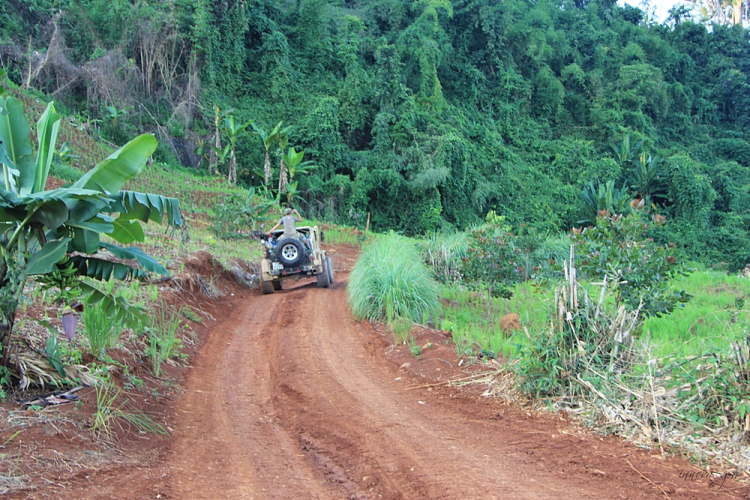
{"x": 287, "y": 258}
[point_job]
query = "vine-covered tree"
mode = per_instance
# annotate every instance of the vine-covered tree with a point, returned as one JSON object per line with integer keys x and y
{"x": 425, "y": 114}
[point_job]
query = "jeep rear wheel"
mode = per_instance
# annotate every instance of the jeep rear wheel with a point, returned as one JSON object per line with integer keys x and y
{"x": 276, "y": 285}
{"x": 266, "y": 286}
{"x": 289, "y": 251}
{"x": 329, "y": 269}
{"x": 323, "y": 280}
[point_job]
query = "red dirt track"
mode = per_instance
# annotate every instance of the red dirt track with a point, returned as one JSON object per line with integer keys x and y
{"x": 291, "y": 398}
{"x": 294, "y": 399}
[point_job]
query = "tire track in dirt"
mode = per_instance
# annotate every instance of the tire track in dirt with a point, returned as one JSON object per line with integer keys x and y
{"x": 228, "y": 443}
{"x": 291, "y": 398}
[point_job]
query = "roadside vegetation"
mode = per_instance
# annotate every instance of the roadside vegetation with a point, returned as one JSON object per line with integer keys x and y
{"x": 617, "y": 330}
{"x": 390, "y": 283}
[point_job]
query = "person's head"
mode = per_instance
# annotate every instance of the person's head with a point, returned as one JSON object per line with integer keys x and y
{"x": 287, "y": 211}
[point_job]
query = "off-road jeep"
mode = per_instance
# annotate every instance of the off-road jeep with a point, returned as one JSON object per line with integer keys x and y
{"x": 293, "y": 258}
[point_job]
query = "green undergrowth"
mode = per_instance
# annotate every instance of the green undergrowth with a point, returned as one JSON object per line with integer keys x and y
{"x": 337, "y": 235}
{"x": 718, "y": 309}
{"x": 476, "y": 329}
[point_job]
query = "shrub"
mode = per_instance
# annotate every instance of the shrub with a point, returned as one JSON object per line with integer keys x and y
{"x": 389, "y": 282}
{"x": 493, "y": 261}
{"x": 444, "y": 254}
{"x": 618, "y": 247}
{"x": 237, "y": 215}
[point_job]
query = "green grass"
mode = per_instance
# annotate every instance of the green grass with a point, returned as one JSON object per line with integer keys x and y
{"x": 110, "y": 411}
{"x": 197, "y": 194}
{"x": 163, "y": 343}
{"x": 102, "y": 331}
{"x": 708, "y": 322}
{"x": 337, "y": 235}
{"x": 465, "y": 315}
{"x": 389, "y": 282}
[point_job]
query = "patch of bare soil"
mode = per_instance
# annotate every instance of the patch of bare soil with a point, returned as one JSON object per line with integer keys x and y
{"x": 290, "y": 397}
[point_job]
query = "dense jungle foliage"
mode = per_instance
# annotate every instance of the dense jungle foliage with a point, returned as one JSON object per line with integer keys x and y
{"x": 426, "y": 113}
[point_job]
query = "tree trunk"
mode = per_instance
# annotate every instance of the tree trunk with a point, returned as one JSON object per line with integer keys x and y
{"x": 8, "y": 305}
{"x": 267, "y": 168}
{"x": 232, "y": 177}
{"x": 282, "y": 177}
{"x": 212, "y": 158}
{"x": 736, "y": 12}
{"x": 6, "y": 330}
{"x": 218, "y": 146}
{"x": 489, "y": 303}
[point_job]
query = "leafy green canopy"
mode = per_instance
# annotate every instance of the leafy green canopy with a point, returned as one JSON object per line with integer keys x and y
{"x": 428, "y": 114}
{"x": 639, "y": 269}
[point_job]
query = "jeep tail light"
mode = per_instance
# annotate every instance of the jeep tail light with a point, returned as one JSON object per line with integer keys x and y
{"x": 312, "y": 257}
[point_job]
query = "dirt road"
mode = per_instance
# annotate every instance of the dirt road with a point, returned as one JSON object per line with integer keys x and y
{"x": 291, "y": 398}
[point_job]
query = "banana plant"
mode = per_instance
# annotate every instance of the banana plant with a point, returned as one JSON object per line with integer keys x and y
{"x": 213, "y": 164}
{"x": 268, "y": 139}
{"x": 45, "y": 234}
{"x": 604, "y": 197}
{"x": 624, "y": 153}
{"x": 283, "y": 138}
{"x": 115, "y": 114}
{"x": 294, "y": 164}
{"x": 234, "y": 133}
{"x": 648, "y": 179}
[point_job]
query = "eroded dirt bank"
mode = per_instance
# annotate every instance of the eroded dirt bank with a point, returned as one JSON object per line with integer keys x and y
{"x": 291, "y": 398}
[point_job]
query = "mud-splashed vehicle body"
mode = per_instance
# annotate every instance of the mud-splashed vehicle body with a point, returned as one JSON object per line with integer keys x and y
{"x": 293, "y": 258}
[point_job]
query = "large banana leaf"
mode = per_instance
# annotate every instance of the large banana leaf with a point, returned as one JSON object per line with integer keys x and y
{"x": 51, "y": 208}
{"x": 9, "y": 170}
{"x": 11, "y": 209}
{"x": 127, "y": 162}
{"x": 102, "y": 268}
{"x": 85, "y": 240}
{"x": 14, "y": 134}
{"x": 99, "y": 268}
{"x": 50, "y": 213}
{"x": 46, "y": 131}
{"x": 43, "y": 261}
{"x": 146, "y": 206}
{"x": 127, "y": 231}
{"x": 148, "y": 263}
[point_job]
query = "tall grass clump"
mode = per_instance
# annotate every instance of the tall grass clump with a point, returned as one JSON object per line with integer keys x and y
{"x": 390, "y": 282}
{"x": 163, "y": 342}
{"x": 101, "y": 330}
{"x": 109, "y": 411}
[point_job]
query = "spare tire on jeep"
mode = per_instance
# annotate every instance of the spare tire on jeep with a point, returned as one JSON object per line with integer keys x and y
{"x": 289, "y": 251}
